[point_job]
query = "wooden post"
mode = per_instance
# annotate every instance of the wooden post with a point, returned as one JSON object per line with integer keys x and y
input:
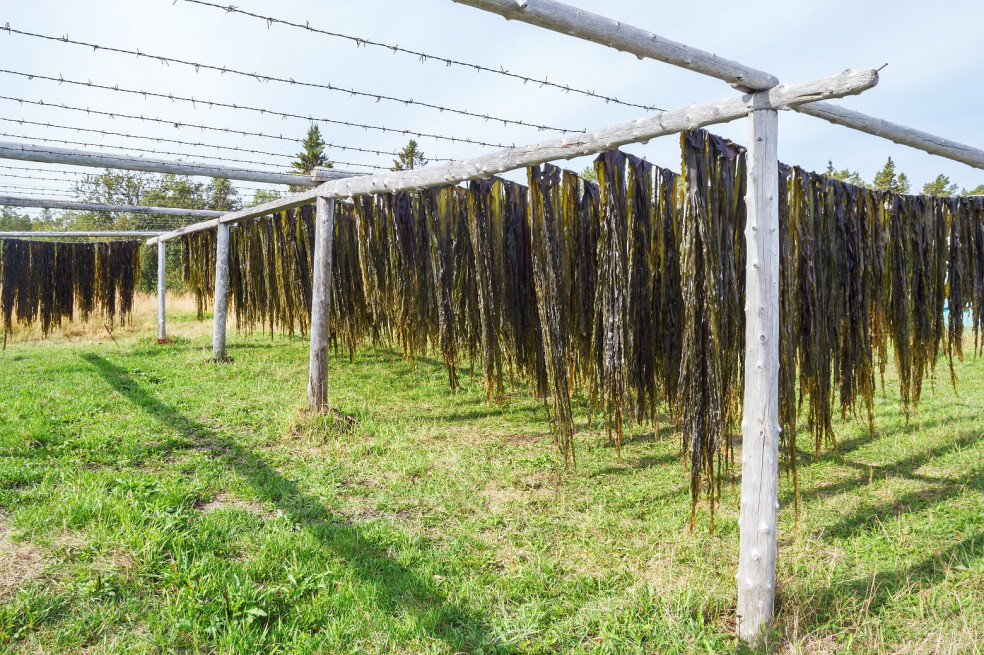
{"x": 760, "y": 427}
{"x": 221, "y": 293}
{"x": 321, "y": 304}
{"x": 161, "y": 289}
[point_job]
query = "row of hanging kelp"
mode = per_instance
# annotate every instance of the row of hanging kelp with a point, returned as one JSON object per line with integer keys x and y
{"x": 631, "y": 290}
{"x": 47, "y": 282}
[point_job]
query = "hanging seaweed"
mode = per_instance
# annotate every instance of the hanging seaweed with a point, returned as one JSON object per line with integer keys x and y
{"x": 549, "y": 267}
{"x": 484, "y": 217}
{"x": 520, "y": 310}
{"x": 965, "y": 273}
{"x": 711, "y": 377}
{"x": 818, "y": 312}
{"x": 788, "y": 337}
{"x": 44, "y": 281}
{"x": 442, "y": 208}
{"x": 85, "y": 279}
{"x": 198, "y": 267}
{"x": 350, "y": 321}
{"x": 611, "y": 315}
{"x": 668, "y": 302}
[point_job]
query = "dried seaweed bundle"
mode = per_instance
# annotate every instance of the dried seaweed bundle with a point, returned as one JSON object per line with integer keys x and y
{"x": 668, "y": 301}
{"x": 443, "y": 208}
{"x": 965, "y": 274}
{"x": 712, "y": 264}
{"x": 611, "y": 312}
{"x": 198, "y": 267}
{"x": 485, "y": 218}
{"x": 519, "y": 312}
{"x": 45, "y": 282}
{"x": 350, "y": 321}
{"x": 551, "y": 281}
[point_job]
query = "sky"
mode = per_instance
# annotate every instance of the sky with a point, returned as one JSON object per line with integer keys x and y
{"x": 932, "y": 81}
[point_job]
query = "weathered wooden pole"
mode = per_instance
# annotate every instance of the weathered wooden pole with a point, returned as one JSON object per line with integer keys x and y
{"x": 161, "y": 289}
{"x": 760, "y": 427}
{"x": 221, "y": 293}
{"x": 321, "y": 304}
{"x": 51, "y": 155}
{"x": 54, "y": 203}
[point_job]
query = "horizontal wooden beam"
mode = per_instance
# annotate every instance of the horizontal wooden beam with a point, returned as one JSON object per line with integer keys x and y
{"x": 907, "y": 136}
{"x": 51, "y": 203}
{"x": 566, "y": 19}
{"x": 52, "y": 155}
{"x": 65, "y": 235}
{"x": 589, "y": 143}
{"x": 287, "y": 202}
{"x": 559, "y": 17}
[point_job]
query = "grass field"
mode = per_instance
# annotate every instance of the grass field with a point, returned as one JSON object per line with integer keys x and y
{"x": 152, "y": 502}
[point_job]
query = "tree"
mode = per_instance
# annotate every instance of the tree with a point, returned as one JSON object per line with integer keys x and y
{"x": 220, "y": 195}
{"x": 589, "y": 174}
{"x": 154, "y": 190}
{"x": 977, "y": 191}
{"x": 11, "y": 221}
{"x": 409, "y": 157}
{"x": 261, "y": 196}
{"x": 845, "y": 175}
{"x": 110, "y": 188}
{"x": 941, "y": 186}
{"x": 887, "y": 180}
{"x": 313, "y": 153}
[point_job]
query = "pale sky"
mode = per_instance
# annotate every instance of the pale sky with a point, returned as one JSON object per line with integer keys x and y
{"x": 933, "y": 80}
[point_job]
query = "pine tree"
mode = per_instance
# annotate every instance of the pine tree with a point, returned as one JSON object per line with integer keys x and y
{"x": 411, "y": 156}
{"x": 313, "y": 154}
{"x": 941, "y": 186}
{"x": 845, "y": 175}
{"x": 887, "y": 180}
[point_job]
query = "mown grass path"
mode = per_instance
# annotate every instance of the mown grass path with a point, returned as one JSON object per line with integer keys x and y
{"x": 151, "y": 502}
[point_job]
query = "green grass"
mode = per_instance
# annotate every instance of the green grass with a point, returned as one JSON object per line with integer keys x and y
{"x": 152, "y": 502}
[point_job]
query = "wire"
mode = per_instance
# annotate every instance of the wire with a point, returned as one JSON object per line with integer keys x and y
{"x": 24, "y": 121}
{"x": 239, "y": 191}
{"x": 284, "y": 115}
{"x": 35, "y": 177}
{"x": 424, "y": 57}
{"x": 29, "y": 187}
{"x": 131, "y": 148}
{"x": 197, "y": 126}
{"x": 165, "y": 152}
{"x": 284, "y": 80}
{"x": 41, "y": 170}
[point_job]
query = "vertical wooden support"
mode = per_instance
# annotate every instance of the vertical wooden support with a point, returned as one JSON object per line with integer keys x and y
{"x": 760, "y": 427}
{"x": 321, "y": 304}
{"x": 221, "y": 292}
{"x": 161, "y": 289}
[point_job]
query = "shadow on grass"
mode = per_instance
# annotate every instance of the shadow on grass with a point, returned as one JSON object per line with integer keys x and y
{"x": 398, "y": 587}
{"x": 906, "y": 467}
{"x": 884, "y": 587}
